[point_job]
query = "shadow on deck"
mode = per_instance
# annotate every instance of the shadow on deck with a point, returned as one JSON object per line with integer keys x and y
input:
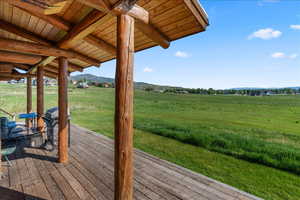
{"x": 35, "y": 174}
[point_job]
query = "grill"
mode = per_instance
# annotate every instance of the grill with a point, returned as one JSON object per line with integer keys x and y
{"x": 51, "y": 120}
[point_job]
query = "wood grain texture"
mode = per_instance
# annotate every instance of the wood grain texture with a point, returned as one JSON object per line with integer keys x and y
{"x": 23, "y": 33}
{"x": 124, "y": 109}
{"x": 12, "y": 57}
{"x": 32, "y": 48}
{"x": 40, "y": 98}
{"x": 29, "y": 101}
{"x": 35, "y": 174}
{"x": 78, "y": 32}
{"x": 63, "y": 110}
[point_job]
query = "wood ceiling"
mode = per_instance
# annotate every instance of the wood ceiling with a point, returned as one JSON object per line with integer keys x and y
{"x": 34, "y": 33}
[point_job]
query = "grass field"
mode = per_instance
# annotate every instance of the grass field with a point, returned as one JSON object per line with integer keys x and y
{"x": 213, "y": 135}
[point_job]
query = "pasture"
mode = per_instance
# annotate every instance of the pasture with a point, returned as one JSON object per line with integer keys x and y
{"x": 252, "y": 143}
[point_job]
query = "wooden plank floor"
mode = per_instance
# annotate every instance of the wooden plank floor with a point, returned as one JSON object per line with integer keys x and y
{"x": 89, "y": 175}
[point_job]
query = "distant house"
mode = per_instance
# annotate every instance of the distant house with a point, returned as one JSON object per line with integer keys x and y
{"x": 182, "y": 92}
{"x": 83, "y": 85}
{"x": 73, "y": 82}
{"x": 50, "y": 82}
{"x": 269, "y": 93}
{"x": 106, "y": 85}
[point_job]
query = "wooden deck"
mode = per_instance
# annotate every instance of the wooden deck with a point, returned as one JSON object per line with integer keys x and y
{"x": 35, "y": 174}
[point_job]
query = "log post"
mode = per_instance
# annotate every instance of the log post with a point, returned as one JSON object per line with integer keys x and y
{"x": 124, "y": 109}
{"x": 63, "y": 110}
{"x": 0, "y": 158}
{"x": 29, "y": 101}
{"x": 40, "y": 98}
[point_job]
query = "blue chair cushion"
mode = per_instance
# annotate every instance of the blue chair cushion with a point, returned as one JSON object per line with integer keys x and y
{"x": 11, "y": 124}
{"x": 28, "y": 116}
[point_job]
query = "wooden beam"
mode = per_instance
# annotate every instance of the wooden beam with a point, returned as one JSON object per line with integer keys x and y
{"x": 21, "y": 66}
{"x": 51, "y": 19}
{"x": 154, "y": 34}
{"x": 55, "y": 8}
{"x": 102, "y": 5}
{"x": 101, "y": 44}
{"x": 42, "y": 63}
{"x": 23, "y": 33}
{"x": 43, "y": 7}
{"x": 39, "y": 12}
{"x": 29, "y": 101}
{"x": 15, "y": 75}
{"x": 40, "y": 99}
{"x": 198, "y": 12}
{"x": 37, "y": 49}
{"x": 124, "y": 109}
{"x": 6, "y": 67}
{"x": 12, "y": 57}
{"x": 63, "y": 110}
{"x": 79, "y": 31}
{"x": 51, "y": 68}
{"x": 130, "y": 8}
{"x": 32, "y": 48}
{"x": 31, "y": 36}
{"x": 141, "y": 16}
{"x": 50, "y": 74}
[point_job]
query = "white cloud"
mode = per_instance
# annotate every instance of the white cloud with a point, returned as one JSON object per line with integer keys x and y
{"x": 295, "y": 27}
{"x": 265, "y": 34}
{"x": 182, "y": 54}
{"x": 148, "y": 70}
{"x": 278, "y": 55}
{"x": 283, "y": 55}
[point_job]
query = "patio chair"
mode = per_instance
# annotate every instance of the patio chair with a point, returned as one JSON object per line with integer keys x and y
{"x": 30, "y": 116}
{"x": 5, "y": 152}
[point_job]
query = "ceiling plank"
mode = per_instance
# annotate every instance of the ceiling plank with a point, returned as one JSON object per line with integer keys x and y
{"x": 51, "y": 19}
{"x": 31, "y": 36}
{"x": 38, "y": 12}
{"x": 23, "y": 33}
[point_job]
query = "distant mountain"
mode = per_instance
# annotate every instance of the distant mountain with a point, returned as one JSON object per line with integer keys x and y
{"x": 92, "y": 78}
{"x": 142, "y": 85}
{"x": 256, "y": 88}
{"x": 100, "y": 79}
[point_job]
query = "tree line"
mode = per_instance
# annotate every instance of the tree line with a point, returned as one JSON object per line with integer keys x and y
{"x": 248, "y": 92}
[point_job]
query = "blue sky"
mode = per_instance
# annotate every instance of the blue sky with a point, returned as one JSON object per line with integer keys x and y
{"x": 249, "y": 43}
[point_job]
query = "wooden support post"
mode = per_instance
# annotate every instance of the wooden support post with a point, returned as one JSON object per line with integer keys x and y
{"x": 29, "y": 101}
{"x": 40, "y": 98}
{"x": 63, "y": 110}
{"x": 124, "y": 109}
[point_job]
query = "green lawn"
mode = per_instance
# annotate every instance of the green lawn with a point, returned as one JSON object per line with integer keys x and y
{"x": 225, "y": 132}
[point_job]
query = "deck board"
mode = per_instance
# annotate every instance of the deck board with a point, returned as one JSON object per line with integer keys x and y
{"x": 35, "y": 174}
